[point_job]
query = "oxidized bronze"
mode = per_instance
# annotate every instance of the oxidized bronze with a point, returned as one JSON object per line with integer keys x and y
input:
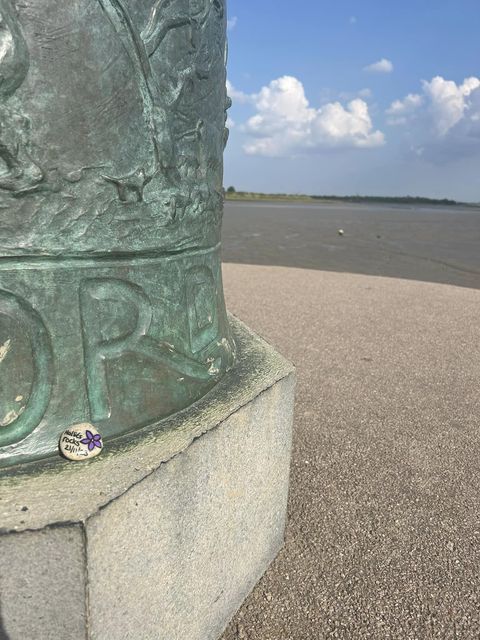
{"x": 112, "y": 129}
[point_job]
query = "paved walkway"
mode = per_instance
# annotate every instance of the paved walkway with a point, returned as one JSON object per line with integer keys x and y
{"x": 384, "y": 518}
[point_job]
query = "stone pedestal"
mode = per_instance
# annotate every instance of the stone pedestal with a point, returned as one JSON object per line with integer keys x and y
{"x": 163, "y": 535}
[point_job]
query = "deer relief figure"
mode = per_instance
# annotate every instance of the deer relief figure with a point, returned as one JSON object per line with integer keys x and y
{"x": 166, "y": 97}
{"x": 197, "y": 63}
{"x": 141, "y": 46}
{"x": 164, "y": 18}
{"x": 19, "y": 173}
{"x": 206, "y": 17}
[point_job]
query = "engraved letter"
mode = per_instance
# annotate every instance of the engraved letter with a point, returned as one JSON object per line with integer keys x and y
{"x": 100, "y": 349}
{"x": 202, "y": 308}
{"x": 31, "y": 323}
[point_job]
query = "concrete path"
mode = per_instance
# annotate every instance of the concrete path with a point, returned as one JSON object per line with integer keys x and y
{"x": 384, "y": 519}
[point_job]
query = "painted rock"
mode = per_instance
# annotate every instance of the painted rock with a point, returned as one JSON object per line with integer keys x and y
{"x": 80, "y": 442}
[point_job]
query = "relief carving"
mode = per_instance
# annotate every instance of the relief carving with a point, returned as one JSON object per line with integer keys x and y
{"x": 19, "y": 172}
{"x": 177, "y": 58}
{"x": 169, "y": 116}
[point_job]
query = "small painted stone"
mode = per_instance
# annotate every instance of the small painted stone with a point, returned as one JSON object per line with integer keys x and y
{"x": 80, "y": 442}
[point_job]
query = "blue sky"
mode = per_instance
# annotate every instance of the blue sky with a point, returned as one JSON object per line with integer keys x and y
{"x": 343, "y": 97}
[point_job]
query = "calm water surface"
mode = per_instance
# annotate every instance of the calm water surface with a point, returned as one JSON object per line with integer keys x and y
{"x": 435, "y": 244}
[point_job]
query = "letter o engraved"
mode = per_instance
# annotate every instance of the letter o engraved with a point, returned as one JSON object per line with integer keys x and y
{"x": 18, "y": 309}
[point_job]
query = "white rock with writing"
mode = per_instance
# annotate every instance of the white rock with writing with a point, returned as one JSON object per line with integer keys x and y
{"x": 80, "y": 442}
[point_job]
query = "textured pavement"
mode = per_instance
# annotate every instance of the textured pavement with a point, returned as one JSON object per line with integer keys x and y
{"x": 383, "y": 539}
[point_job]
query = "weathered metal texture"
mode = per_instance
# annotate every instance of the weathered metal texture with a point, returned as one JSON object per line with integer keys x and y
{"x": 112, "y": 129}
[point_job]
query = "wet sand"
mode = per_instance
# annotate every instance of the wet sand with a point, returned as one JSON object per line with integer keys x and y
{"x": 434, "y": 244}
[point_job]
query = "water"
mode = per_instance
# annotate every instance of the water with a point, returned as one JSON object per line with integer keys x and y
{"x": 435, "y": 244}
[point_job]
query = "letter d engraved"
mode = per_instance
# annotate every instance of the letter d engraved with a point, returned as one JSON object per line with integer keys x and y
{"x": 30, "y": 321}
{"x": 99, "y": 349}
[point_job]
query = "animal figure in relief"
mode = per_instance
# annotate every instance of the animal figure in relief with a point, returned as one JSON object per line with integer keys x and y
{"x": 160, "y": 97}
{"x": 175, "y": 55}
{"x": 19, "y": 171}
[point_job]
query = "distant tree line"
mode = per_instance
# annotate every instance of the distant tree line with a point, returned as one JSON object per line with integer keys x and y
{"x": 233, "y": 194}
{"x": 389, "y": 199}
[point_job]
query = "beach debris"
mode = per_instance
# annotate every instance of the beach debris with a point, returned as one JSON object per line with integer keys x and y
{"x": 341, "y": 232}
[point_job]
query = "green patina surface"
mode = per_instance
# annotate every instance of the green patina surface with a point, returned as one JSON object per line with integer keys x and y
{"x": 112, "y": 130}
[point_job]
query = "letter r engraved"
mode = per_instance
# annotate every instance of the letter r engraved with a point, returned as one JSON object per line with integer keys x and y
{"x": 18, "y": 309}
{"x": 99, "y": 349}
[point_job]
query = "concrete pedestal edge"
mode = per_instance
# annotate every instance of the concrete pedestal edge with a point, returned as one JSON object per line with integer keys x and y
{"x": 165, "y": 534}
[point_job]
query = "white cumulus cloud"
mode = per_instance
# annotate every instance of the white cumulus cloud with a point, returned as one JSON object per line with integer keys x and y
{"x": 444, "y": 104}
{"x": 407, "y": 105}
{"x": 449, "y": 102}
{"x": 286, "y": 124}
{"x": 399, "y": 110}
{"x": 444, "y": 120}
{"x": 382, "y": 66}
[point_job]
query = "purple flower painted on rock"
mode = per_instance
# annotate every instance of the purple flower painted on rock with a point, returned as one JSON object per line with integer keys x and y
{"x": 92, "y": 440}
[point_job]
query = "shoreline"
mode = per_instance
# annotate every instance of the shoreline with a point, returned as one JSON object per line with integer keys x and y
{"x": 247, "y": 196}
